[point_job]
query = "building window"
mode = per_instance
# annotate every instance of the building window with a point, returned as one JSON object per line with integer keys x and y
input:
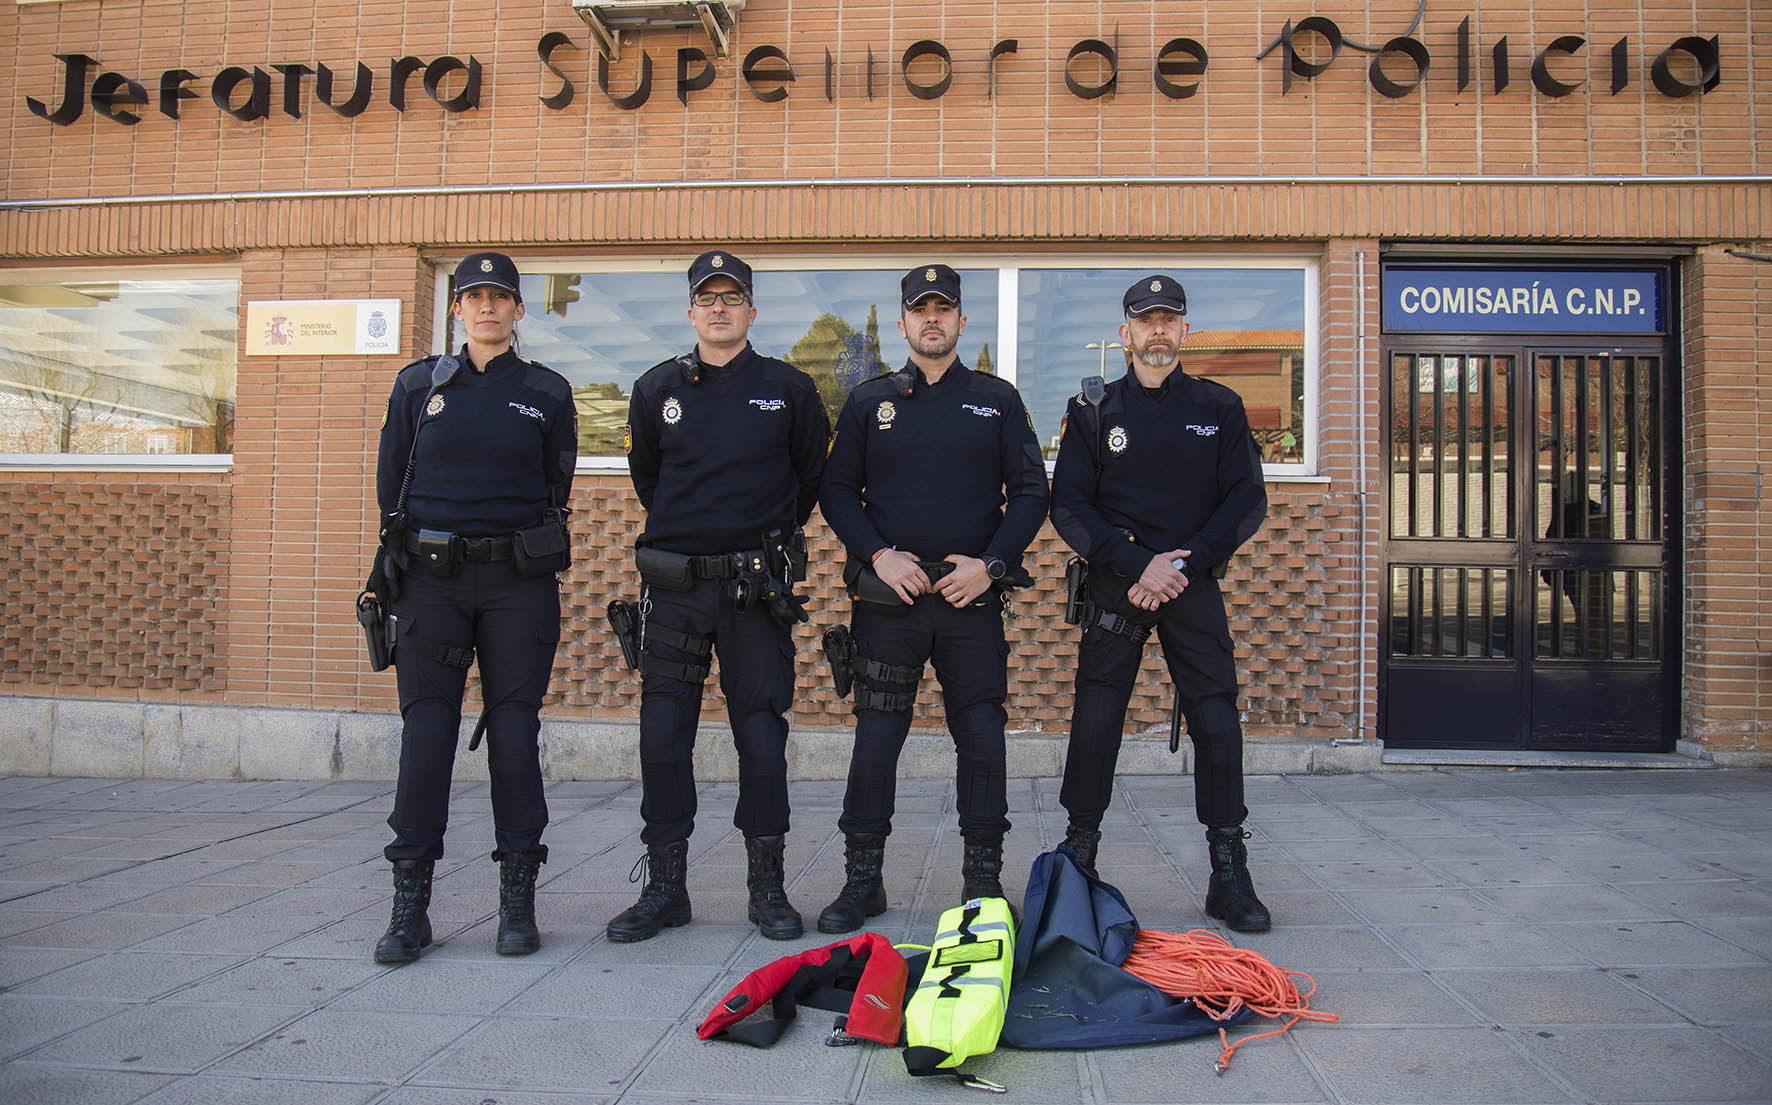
{"x": 118, "y": 366}
{"x": 1043, "y": 327}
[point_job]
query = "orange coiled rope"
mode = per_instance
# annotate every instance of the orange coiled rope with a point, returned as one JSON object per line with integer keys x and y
{"x": 1221, "y": 979}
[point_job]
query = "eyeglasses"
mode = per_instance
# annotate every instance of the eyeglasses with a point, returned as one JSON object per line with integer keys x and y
{"x": 708, "y": 299}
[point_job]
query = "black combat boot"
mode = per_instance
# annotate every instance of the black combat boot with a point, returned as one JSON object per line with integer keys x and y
{"x": 664, "y": 902}
{"x": 1083, "y": 844}
{"x": 863, "y": 894}
{"x": 516, "y": 904}
{"x": 1230, "y": 897}
{"x": 770, "y": 910}
{"x": 981, "y": 866}
{"x": 409, "y": 929}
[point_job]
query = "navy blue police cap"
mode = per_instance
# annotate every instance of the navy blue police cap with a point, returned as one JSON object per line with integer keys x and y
{"x": 1155, "y": 293}
{"x": 478, "y": 269}
{"x": 717, "y": 262}
{"x": 927, "y": 280}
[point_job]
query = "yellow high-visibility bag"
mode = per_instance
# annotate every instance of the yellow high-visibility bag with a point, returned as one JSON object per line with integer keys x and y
{"x": 958, "y": 1007}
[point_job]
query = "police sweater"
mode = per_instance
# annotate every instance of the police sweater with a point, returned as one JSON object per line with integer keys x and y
{"x": 1150, "y": 470}
{"x": 497, "y": 447}
{"x": 720, "y": 462}
{"x": 935, "y": 469}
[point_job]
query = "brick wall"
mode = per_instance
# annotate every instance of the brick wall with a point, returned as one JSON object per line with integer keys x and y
{"x": 1728, "y": 617}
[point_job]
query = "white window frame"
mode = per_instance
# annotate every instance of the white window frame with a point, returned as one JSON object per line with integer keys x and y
{"x": 125, "y": 462}
{"x": 1009, "y": 267}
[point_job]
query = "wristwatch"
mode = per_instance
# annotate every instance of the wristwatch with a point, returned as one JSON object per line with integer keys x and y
{"x": 993, "y": 567}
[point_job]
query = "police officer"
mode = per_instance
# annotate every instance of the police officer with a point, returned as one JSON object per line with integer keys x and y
{"x": 936, "y": 486}
{"x": 1158, "y": 483}
{"x": 725, "y": 447}
{"x": 472, "y": 477}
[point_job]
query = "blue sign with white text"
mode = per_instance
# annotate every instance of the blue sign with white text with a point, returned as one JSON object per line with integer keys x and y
{"x": 1522, "y": 301}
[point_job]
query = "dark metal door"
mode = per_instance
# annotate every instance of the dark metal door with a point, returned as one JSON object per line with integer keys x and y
{"x": 1528, "y": 571}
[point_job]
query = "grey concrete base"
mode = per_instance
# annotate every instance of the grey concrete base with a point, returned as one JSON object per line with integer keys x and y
{"x": 1508, "y": 757}
{"x": 40, "y": 736}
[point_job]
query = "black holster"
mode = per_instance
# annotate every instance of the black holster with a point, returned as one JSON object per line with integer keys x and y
{"x": 624, "y": 619}
{"x": 1076, "y": 589}
{"x": 839, "y": 649}
{"x": 378, "y": 630}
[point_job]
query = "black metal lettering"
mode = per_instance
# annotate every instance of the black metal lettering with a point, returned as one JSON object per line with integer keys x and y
{"x": 1620, "y": 65}
{"x": 1006, "y": 46}
{"x": 1097, "y": 48}
{"x": 830, "y": 76}
{"x": 172, "y": 90}
{"x": 687, "y": 82}
{"x": 399, "y": 69}
{"x": 1541, "y": 77}
{"x": 361, "y": 90}
{"x": 257, "y": 105}
{"x": 927, "y": 48}
{"x": 755, "y": 72}
{"x": 1295, "y": 64}
{"x": 1707, "y": 52}
{"x": 544, "y": 49}
{"x": 292, "y": 75}
{"x": 73, "y": 91}
{"x": 1464, "y": 53}
{"x": 469, "y": 96}
{"x": 1498, "y": 57}
{"x": 113, "y": 92}
{"x": 638, "y": 97}
{"x": 1193, "y": 65}
{"x": 1382, "y": 83}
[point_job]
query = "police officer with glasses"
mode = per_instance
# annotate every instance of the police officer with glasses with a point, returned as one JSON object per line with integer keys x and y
{"x": 472, "y": 476}
{"x": 1158, "y": 483}
{"x": 936, "y": 486}
{"x": 725, "y": 447}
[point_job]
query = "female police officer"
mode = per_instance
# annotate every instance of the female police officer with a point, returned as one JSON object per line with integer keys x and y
{"x": 475, "y": 466}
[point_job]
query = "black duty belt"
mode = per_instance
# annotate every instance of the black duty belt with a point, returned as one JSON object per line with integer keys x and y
{"x": 722, "y": 565}
{"x": 482, "y": 549}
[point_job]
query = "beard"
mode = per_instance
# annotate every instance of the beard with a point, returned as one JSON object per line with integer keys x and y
{"x": 1156, "y": 357}
{"x": 937, "y": 345}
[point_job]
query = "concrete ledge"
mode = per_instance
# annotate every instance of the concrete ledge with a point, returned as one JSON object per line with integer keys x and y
{"x": 1504, "y": 757}
{"x": 1726, "y": 757}
{"x": 127, "y": 740}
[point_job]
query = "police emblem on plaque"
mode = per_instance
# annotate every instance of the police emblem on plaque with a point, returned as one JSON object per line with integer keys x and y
{"x": 1117, "y": 440}
{"x": 672, "y": 411}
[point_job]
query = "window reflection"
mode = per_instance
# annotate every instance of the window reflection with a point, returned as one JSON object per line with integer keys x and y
{"x": 1248, "y": 333}
{"x": 119, "y": 366}
{"x": 836, "y": 325}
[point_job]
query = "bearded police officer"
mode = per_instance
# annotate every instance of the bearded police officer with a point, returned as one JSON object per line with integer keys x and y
{"x": 1158, "y": 483}
{"x": 725, "y": 448}
{"x": 935, "y": 485}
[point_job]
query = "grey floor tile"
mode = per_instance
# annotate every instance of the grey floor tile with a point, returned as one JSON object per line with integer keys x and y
{"x": 1590, "y": 901}
{"x": 1404, "y": 998}
{"x": 1314, "y": 948}
{"x": 164, "y": 1038}
{"x": 1752, "y": 934}
{"x": 1649, "y": 943}
{"x": 15, "y": 921}
{"x": 1667, "y": 1064}
{"x": 1445, "y": 1066}
{"x": 541, "y": 1053}
{"x": 796, "y": 1069}
{"x": 443, "y": 1095}
{"x": 585, "y": 989}
{"x": 1424, "y": 906}
{"x": 44, "y": 1084}
{"x": 20, "y": 965}
{"x": 1034, "y": 1077}
{"x": 1755, "y": 1038}
{"x": 345, "y": 1045}
{"x": 230, "y": 932}
{"x": 1270, "y": 1070}
{"x": 1377, "y": 875}
{"x": 1500, "y": 945}
{"x": 214, "y": 1090}
{"x": 27, "y": 1022}
{"x": 1705, "y": 900}
{"x": 442, "y": 986}
{"x": 280, "y": 980}
{"x": 101, "y": 931}
{"x": 1710, "y": 995}
{"x": 128, "y": 976}
{"x": 1544, "y": 997}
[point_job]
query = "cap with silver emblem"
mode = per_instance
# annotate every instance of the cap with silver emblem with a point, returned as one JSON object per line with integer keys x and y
{"x": 927, "y": 280}
{"x": 479, "y": 269}
{"x": 717, "y": 262}
{"x": 1155, "y": 293}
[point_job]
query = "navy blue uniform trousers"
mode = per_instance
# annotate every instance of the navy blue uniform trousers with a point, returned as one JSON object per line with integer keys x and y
{"x": 757, "y": 678}
{"x": 1197, "y": 649}
{"x": 512, "y": 622}
{"x": 971, "y": 657}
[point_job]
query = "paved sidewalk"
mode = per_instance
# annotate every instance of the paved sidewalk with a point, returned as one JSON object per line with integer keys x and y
{"x": 1486, "y": 936}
